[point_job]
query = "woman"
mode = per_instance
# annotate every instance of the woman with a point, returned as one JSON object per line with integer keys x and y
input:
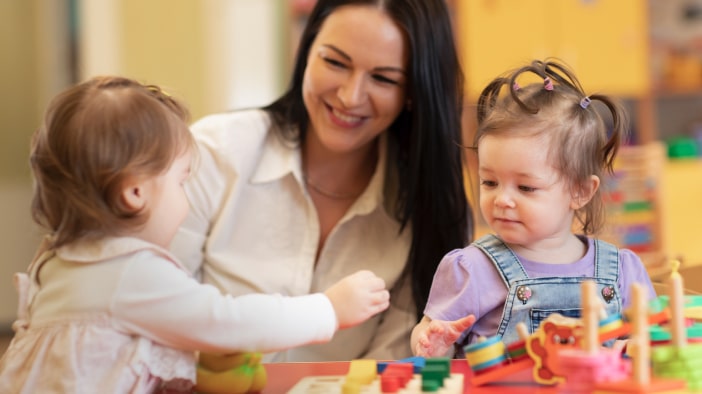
{"x": 357, "y": 165}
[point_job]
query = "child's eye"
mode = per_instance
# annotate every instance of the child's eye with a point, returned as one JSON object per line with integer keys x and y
{"x": 527, "y": 188}
{"x": 487, "y": 183}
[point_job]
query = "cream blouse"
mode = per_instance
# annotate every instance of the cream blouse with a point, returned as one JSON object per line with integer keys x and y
{"x": 254, "y": 229}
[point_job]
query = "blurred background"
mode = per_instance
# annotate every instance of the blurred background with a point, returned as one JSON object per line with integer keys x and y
{"x": 219, "y": 55}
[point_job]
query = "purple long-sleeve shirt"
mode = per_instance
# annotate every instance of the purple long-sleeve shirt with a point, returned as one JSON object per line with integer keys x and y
{"x": 466, "y": 282}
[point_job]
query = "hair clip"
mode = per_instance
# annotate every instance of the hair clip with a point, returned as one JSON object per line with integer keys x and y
{"x": 156, "y": 90}
{"x": 515, "y": 86}
{"x": 585, "y": 102}
{"x": 548, "y": 85}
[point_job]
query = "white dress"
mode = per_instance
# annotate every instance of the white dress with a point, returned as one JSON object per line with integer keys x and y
{"x": 123, "y": 316}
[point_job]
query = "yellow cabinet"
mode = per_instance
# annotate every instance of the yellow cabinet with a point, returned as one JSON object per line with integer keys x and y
{"x": 604, "y": 41}
{"x": 682, "y": 198}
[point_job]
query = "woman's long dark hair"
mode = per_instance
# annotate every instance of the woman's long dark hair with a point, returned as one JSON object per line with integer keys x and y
{"x": 431, "y": 197}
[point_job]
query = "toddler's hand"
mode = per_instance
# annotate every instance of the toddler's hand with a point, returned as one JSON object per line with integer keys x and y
{"x": 439, "y": 336}
{"x": 357, "y": 297}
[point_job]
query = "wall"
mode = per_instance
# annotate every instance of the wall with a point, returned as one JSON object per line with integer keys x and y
{"x": 215, "y": 54}
{"x": 682, "y": 190}
{"x": 34, "y": 67}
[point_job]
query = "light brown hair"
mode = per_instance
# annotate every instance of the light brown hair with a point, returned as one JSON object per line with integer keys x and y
{"x": 96, "y": 135}
{"x": 580, "y": 143}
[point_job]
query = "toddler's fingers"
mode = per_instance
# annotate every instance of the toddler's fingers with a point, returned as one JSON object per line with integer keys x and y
{"x": 382, "y": 306}
{"x": 420, "y": 351}
{"x": 376, "y": 283}
{"x": 422, "y": 345}
{"x": 382, "y": 296}
{"x": 464, "y": 323}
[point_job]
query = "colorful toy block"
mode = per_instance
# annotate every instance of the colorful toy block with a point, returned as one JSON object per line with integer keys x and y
{"x": 396, "y": 377}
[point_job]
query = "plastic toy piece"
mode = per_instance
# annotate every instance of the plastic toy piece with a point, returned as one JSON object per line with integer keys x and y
{"x": 417, "y": 363}
{"x": 238, "y": 373}
{"x": 661, "y": 335}
{"x": 517, "y": 351}
{"x": 610, "y": 325}
{"x": 590, "y": 313}
{"x": 501, "y": 371}
{"x": 692, "y": 305}
{"x": 679, "y": 363}
{"x": 485, "y": 354}
{"x": 679, "y": 337}
{"x": 582, "y": 368}
{"x": 583, "y": 371}
{"x": 679, "y": 360}
{"x": 555, "y": 333}
{"x": 361, "y": 373}
{"x": 625, "y": 328}
{"x": 396, "y": 377}
{"x": 639, "y": 350}
{"x": 517, "y": 360}
{"x": 434, "y": 373}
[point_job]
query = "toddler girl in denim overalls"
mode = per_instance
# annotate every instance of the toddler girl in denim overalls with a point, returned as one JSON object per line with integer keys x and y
{"x": 543, "y": 150}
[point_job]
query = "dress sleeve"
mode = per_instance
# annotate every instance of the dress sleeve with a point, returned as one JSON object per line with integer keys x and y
{"x": 161, "y": 302}
{"x": 452, "y": 294}
{"x": 632, "y": 271}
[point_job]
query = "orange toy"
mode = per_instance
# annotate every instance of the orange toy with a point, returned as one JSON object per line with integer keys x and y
{"x": 555, "y": 333}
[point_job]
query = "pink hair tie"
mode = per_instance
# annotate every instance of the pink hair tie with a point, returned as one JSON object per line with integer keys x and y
{"x": 585, "y": 102}
{"x": 515, "y": 86}
{"x": 548, "y": 85}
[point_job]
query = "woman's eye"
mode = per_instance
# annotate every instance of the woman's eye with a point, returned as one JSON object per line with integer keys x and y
{"x": 384, "y": 79}
{"x": 334, "y": 62}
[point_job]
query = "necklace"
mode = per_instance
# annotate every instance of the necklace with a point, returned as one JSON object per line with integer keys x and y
{"x": 326, "y": 193}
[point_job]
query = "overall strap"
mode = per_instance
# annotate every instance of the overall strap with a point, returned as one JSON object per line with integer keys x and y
{"x": 503, "y": 258}
{"x": 606, "y": 260}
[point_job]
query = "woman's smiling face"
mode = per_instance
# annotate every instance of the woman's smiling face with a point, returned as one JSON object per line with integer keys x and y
{"x": 354, "y": 83}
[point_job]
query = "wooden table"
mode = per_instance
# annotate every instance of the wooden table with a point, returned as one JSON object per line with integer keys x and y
{"x": 283, "y": 376}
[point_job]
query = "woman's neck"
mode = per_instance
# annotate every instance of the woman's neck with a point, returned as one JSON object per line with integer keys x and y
{"x": 340, "y": 174}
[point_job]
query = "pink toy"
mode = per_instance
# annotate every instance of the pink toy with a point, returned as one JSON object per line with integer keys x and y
{"x": 639, "y": 350}
{"x": 584, "y": 367}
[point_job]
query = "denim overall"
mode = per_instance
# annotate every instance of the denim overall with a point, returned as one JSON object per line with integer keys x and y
{"x": 531, "y": 300}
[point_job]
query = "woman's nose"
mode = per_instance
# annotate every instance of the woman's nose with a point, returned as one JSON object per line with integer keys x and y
{"x": 353, "y": 91}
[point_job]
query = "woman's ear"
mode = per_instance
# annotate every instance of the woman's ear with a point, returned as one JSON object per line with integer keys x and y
{"x": 133, "y": 194}
{"x": 584, "y": 194}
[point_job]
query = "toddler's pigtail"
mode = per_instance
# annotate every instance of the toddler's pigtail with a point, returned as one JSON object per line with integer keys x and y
{"x": 488, "y": 97}
{"x": 515, "y": 92}
{"x": 561, "y": 75}
{"x": 618, "y": 133}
